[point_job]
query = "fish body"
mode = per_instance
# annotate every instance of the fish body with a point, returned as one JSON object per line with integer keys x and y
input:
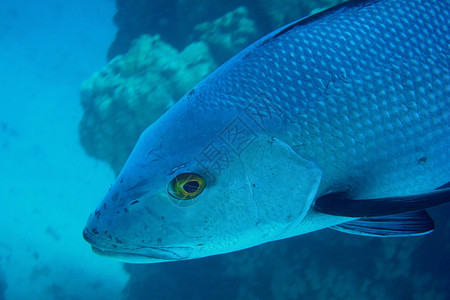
{"x": 352, "y": 101}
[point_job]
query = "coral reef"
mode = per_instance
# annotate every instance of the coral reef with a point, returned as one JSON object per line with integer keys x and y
{"x": 279, "y": 13}
{"x": 175, "y": 20}
{"x": 229, "y": 34}
{"x": 133, "y": 90}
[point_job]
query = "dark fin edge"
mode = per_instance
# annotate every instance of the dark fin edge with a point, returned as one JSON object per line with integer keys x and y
{"x": 343, "y": 6}
{"x": 401, "y": 225}
{"x": 443, "y": 187}
{"x": 338, "y": 204}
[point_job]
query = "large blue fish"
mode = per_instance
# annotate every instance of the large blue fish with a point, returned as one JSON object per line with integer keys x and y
{"x": 337, "y": 120}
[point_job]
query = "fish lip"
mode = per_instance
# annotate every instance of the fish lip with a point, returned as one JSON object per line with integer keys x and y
{"x": 135, "y": 253}
{"x": 153, "y": 255}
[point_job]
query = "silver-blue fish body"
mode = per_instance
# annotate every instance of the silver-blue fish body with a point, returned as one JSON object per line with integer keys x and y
{"x": 354, "y": 99}
{"x": 362, "y": 92}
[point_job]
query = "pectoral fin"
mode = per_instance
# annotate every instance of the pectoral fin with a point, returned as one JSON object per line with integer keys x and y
{"x": 339, "y": 204}
{"x": 401, "y": 225}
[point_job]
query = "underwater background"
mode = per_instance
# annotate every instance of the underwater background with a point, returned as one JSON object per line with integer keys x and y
{"x": 79, "y": 82}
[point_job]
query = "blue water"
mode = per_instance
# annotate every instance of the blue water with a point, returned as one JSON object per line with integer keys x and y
{"x": 49, "y": 186}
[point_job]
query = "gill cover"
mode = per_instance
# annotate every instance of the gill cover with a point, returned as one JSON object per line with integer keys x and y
{"x": 283, "y": 185}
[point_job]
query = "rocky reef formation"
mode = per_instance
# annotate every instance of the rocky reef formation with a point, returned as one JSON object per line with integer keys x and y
{"x": 279, "y": 13}
{"x": 228, "y": 34}
{"x": 175, "y": 20}
{"x": 133, "y": 90}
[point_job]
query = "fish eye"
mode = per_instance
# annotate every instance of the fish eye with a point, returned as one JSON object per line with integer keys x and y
{"x": 186, "y": 186}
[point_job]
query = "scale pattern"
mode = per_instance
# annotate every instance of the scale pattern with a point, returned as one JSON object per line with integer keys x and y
{"x": 363, "y": 92}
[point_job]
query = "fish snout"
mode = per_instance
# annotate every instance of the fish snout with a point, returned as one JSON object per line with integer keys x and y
{"x": 93, "y": 235}
{"x": 97, "y": 231}
{"x": 100, "y": 238}
{"x": 105, "y": 245}
{"x": 88, "y": 236}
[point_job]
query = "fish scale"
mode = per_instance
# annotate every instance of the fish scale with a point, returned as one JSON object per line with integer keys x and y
{"x": 366, "y": 92}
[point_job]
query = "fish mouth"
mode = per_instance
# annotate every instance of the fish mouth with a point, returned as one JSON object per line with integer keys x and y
{"x": 154, "y": 255}
{"x": 135, "y": 253}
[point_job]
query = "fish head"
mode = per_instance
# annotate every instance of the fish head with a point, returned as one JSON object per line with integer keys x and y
{"x": 187, "y": 192}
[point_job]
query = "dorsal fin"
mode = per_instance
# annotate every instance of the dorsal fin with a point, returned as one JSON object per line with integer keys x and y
{"x": 340, "y": 7}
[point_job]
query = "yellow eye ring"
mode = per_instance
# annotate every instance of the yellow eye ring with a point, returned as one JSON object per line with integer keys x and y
{"x": 186, "y": 186}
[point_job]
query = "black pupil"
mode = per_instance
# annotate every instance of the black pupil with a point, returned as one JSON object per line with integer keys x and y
{"x": 191, "y": 186}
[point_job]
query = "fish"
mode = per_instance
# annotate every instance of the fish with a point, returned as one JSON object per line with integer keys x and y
{"x": 339, "y": 120}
